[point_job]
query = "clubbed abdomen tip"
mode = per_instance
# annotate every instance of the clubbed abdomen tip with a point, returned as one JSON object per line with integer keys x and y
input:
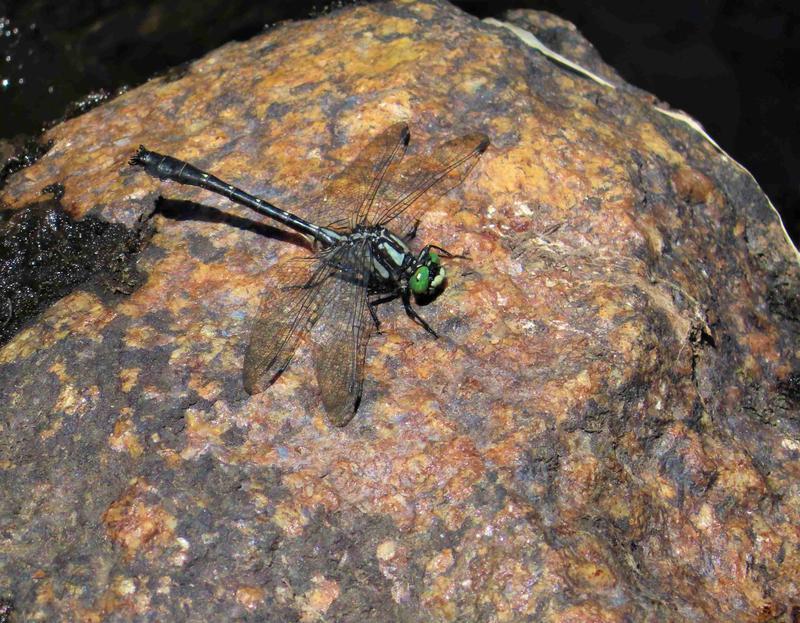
{"x": 141, "y": 157}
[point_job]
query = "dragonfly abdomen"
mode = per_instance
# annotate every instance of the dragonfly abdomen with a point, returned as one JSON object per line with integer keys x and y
{"x": 169, "y": 168}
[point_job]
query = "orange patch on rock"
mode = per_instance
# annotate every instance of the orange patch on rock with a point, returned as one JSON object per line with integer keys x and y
{"x": 134, "y": 525}
{"x": 314, "y": 603}
{"x": 250, "y": 596}
{"x": 692, "y": 186}
{"x": 124, "y": 438}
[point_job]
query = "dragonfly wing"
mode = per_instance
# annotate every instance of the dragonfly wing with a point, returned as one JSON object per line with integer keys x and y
{"x": 430, "y": 176}
{"x": 299, "y": 292}
{"x": 340, "y": 339}
{"x": 347, "y": 197}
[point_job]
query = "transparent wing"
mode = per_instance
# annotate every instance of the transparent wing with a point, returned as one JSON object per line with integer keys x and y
{"x": 297, "y": 294}
{"x": 340, "y": 339}
{"x": 346, "y": 199}
{"x": 430, "y": 176}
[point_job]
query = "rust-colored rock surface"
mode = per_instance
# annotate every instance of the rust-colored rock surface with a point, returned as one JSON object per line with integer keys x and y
{"x": 606, "y": 431}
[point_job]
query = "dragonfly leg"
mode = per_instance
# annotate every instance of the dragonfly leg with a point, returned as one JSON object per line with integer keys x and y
{"x": 374, "y": 315}
{"x": 446, "y": 253}
{"x": 373, "y": 308}
{"x": 412, "y": 233}
{"x": 412, "y": 313}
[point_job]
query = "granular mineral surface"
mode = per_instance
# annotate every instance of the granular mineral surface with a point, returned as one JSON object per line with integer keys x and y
{"x": 607, "y": 429}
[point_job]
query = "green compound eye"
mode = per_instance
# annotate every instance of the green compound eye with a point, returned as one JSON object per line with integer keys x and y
{"x": 420, "y": 280}
{"x": 434, "y": 257}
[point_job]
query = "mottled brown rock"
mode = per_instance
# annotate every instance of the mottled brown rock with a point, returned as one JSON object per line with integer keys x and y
{"x": 607, "y": 430}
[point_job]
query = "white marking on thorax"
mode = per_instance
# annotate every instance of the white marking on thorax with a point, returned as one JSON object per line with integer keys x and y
{"x": 393, "y": 248}
{"x": 392, "y": 254}
{"x": 380, "y": 269}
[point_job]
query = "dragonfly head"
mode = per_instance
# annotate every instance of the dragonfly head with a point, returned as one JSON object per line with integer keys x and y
{"x": 427, "y": 274}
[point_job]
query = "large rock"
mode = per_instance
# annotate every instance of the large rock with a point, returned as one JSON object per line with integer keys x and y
{"x": 607, "y": 430}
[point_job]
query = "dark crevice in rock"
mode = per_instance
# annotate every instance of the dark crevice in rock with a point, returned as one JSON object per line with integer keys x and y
{"x": 56, "y": 189}
{"x": 701, "y": 337}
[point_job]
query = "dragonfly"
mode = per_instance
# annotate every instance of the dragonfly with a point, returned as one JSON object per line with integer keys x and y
{"x": 364, "y": 223}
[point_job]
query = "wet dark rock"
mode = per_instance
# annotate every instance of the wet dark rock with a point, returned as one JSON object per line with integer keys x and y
{"x": 44, "y": 254}
{"x": 18, "y": 153}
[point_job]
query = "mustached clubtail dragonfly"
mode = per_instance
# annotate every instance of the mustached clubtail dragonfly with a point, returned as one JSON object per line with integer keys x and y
{"x": 358, "y": 262}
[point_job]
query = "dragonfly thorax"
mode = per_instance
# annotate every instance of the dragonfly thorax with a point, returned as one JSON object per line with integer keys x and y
{"x": 394, "y": 265}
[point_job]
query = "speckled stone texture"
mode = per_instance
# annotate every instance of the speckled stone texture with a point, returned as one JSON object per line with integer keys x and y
{"x": 606, "y": 431}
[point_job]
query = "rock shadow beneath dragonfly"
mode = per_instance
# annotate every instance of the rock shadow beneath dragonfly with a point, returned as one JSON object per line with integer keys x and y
{"x": 180, "y": 210}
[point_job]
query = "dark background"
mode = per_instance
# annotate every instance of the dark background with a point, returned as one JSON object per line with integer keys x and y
{"x": 731, "y": 64}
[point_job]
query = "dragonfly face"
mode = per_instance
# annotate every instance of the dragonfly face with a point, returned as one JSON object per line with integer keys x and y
{"x": 428, "y": 274}
{"x": 395, "y": 267}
